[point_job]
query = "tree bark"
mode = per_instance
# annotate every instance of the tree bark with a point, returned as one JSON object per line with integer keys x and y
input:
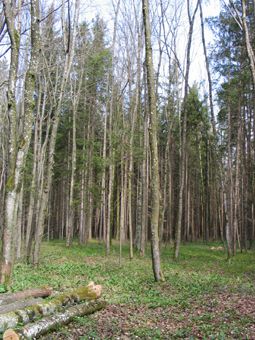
{"x": 145, "y": 180}
{"x": 123, "y": 205}
{"x": 12, "y": 297}
{"x": 249, "y": 48}
{"x": 111, "y": 151}
{"x": 19, "y": 305}
{"x": 183, "y": 136}
{"x": 11, "y": 183}
{"x": 155, "y": 194}
{"x": 69, "y": 50}
{"x": 75, "y": 102}
{"x": 45, "y": 308}
{"x": 34, "y": 330}
{"x": 229, "y": 192}
{"x": 207, "y": 69}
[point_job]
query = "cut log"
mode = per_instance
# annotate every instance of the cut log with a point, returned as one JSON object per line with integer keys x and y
{"x": 19, "y": 305}
{"x": 45, "y": 308}
{"x": 13, "y": 297}
{"x": 45, "y": 325}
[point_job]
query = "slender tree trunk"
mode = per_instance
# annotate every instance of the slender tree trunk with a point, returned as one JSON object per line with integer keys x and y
{"x": 145, "y": 181}
{"x": 18, "y": 236}
{"x": 207, "y": 69}
{"x": 133, "y": 119}
{"x": 103, "y": 212}
{"x": 155, "y": 186}
{"x": 75, "y": 103}
{"x": 123, "y": 203}
{"x": 82, "y": 209}
{"x": 166, "y": 184}
{"x": 229, "y": 195}
{"x": 249, "y": 48}
{"x": 183, "y": 135}
{"x": 48, "y": 180}
{"x": 237, "y": 189}
{"x": 111, "y": 152}
{"x": 18, "y": 149}
{"x": 70, "y": 223}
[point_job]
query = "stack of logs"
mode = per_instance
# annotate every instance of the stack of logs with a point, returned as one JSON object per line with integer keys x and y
{"x": 38, "y": 316}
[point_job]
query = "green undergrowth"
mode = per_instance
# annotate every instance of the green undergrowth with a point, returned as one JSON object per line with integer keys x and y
{"x": 199, "y": 273}
{"x": 200, "y": 270}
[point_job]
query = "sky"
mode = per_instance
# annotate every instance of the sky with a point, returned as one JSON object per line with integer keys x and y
{"x": 211, "y": 8}
{"x": 90, "y": 8}
{"x": 198, "y": 65}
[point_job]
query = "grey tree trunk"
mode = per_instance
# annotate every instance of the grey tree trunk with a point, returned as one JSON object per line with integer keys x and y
{"x": 153, "y": 129}
{"x": 18, "y": 147}
{"x": 111, "y": 152}
{"x": 183, "y": 136}
{"x": 75, "y": 102}
{"x": 229, "y": 193}
{"x": 207, "y": 69}
{"x": 249, "y": 48}
{"x": 69, "y": 53}
{"x": 145, "y": 183}
{"x": 35, "y": 329}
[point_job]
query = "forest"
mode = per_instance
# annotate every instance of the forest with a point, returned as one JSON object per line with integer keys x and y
{"x": 127, "y": 157}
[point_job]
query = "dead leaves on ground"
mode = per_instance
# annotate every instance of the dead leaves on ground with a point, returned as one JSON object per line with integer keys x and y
{"x": 228, "y": 314}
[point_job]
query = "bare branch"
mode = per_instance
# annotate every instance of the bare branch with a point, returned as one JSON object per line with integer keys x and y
{"x": 4, "y": 53}
{"x": 53, "y": 11}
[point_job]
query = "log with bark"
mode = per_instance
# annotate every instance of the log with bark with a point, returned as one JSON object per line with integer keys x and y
{"x": 13, "y": 297}
{"x": 45, "y": 308}
{"x": 19, "y": 305}
{"x": 45, "y": 325}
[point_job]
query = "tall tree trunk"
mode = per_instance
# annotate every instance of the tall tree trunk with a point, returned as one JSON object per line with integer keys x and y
{"x": 111, "y": 152}
{"x": 155, "y": 186}
{"x": 103, "y": 211}
{"x": 75, "y": 102}
{"x": 18, "y": 235}
{"x": 249, "y": 48}
{"x": 183, "y": 135}
{"x": 207, "y": 69}
{"x": 145, "y": 181}
{"x": 69, "y": 52}
{"x": 18, "y": 149}
{"x": 82, "y": 209}
{"x": 123, "y": 204}
{"x": 237, "y": 202}
{"x": 229, "y": 193}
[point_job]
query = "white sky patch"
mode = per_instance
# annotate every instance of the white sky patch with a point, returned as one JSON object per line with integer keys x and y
{"x": 198, "y": 70}
{"x": 104, "y": 8}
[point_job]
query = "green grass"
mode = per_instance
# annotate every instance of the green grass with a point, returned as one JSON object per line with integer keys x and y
{"x": 200, "y": 273}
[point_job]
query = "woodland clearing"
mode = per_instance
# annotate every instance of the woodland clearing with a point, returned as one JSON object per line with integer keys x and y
{"x": 203, "y": 296}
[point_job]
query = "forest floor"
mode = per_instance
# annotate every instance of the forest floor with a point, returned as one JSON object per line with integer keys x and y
{"x": 203, "y": 296}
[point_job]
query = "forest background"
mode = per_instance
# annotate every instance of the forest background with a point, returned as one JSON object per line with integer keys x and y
{"x": 114, "y": 131}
